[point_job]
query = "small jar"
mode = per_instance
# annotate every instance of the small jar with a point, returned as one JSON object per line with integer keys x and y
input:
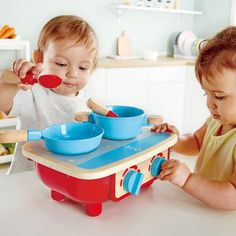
{"x": 149, "y": 3}
{"x": 168, "y": 4}
{"x": 158, "y": 4}
{"x": 140, "y": 3}
{"x": 127, "y": 2}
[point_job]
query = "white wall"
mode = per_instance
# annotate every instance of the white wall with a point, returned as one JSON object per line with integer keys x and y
{"x": 148, "y": 30}
{"x": 216, "y": 16}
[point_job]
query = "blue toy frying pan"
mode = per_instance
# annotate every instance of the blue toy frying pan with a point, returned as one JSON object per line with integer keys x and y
{"x": 67, "y": 139}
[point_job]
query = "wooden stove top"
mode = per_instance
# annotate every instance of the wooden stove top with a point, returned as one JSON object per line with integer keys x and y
{"x": 109, "y": 158}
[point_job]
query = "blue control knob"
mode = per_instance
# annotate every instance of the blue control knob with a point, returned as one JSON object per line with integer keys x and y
{"x": 133, "y": 181}
{"x": 156, "y": 165}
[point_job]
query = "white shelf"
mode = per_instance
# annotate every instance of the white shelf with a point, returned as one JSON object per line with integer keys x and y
{"x": 121, "y": 7}
{"x": 22, "y": 47}
{"x": 6, "y": 159}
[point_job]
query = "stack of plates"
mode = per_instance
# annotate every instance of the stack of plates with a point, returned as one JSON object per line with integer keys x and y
{"x": 187, "y": 44}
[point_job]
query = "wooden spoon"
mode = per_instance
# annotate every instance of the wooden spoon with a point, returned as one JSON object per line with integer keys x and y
{"x": 100, "y": 109}
{"x": 13, "y": 136}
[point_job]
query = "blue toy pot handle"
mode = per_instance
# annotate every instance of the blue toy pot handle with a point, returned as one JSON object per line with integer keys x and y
{"x": 34, "y": 135}
{"x": 91, "y": 118}
{"x": 145, "y": 120}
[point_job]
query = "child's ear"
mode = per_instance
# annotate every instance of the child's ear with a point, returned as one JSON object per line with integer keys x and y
{"x": 37, "y": 57}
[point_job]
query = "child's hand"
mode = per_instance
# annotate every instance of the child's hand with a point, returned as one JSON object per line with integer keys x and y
{"x": 21, "y": 67}
{"x": 165, "y": 128}
{"x": 175, "y": 172}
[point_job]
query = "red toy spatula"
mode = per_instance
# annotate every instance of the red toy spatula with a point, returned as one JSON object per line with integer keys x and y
{"x": 47, "y": 81}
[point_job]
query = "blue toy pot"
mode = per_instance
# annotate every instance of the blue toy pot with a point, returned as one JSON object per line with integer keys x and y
{"x": 127, "y": 125}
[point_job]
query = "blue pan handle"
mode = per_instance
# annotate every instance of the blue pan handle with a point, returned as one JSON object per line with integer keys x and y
{"x": 34, "y": 135}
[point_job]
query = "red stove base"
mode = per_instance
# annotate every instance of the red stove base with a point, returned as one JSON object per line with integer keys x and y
{"x": 90, "y": 193}
{"x": 112, "y": 172}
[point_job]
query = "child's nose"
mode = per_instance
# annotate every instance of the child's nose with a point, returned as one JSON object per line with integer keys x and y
{"x": 211, "y": 103}
{"x": 72, "y": 72}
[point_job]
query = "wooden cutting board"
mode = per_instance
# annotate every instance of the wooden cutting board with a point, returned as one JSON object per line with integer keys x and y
{"x": 124, "y": 46}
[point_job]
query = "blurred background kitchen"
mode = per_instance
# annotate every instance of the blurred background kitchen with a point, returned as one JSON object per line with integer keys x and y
{"x": 150, "y": 66}
{"x": 147, "y": 29}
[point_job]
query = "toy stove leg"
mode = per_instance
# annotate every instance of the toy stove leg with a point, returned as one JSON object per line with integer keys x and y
{"x": 93, "y": 209}
{"x": 57, "y": 196}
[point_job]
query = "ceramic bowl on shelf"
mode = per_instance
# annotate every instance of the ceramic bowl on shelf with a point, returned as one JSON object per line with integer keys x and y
{"x": 150, "y": 55}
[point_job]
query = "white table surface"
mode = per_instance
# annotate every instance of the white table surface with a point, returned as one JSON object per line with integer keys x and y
{"x": 26, "y": 209}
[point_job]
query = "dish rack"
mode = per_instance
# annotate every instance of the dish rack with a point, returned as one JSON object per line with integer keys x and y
{"x": 186, "y": 44}
{"x": 178, "y": 54}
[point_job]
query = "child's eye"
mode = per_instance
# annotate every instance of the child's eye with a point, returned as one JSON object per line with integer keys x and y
{"x": 219, "y": 97}
{"x": 61, "y": 64}
{"x": 83, "y": 68}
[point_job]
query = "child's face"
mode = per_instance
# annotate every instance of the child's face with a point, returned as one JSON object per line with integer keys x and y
{"x": 221, "y": 96}
{"x": 70, "y": 62}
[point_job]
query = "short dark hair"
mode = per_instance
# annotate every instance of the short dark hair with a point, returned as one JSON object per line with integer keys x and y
{"x": 218, "y": 53}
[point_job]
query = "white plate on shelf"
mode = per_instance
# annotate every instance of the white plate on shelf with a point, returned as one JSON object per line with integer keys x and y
{"x": 187, "y": 47}
{"x": 182, "y": 37}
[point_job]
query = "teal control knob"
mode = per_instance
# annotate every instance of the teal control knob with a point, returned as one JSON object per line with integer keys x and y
{"x": 156, "y": 165}
{"x": 133, "y": 181}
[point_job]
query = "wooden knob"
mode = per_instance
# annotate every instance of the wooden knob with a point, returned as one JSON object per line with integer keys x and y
{"x": 82, "y": 116}
{"x": 13, "y": 136}
{"x": 155, "y": 119}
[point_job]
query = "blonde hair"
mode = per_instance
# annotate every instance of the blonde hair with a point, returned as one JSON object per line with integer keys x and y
{"x": 71, "y": 27}
{"x": 218, "y": 53}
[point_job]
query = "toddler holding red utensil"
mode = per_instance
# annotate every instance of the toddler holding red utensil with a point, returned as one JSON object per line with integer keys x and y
{"x": 67, "y": 48}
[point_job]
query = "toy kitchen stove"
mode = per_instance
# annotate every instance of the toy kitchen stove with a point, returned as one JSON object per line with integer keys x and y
{"x": 113, "y": 171}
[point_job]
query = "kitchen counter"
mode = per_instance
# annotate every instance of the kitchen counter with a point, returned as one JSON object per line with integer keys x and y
{"x": 161, "y": 61}
{"x": 162, "y": 209}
